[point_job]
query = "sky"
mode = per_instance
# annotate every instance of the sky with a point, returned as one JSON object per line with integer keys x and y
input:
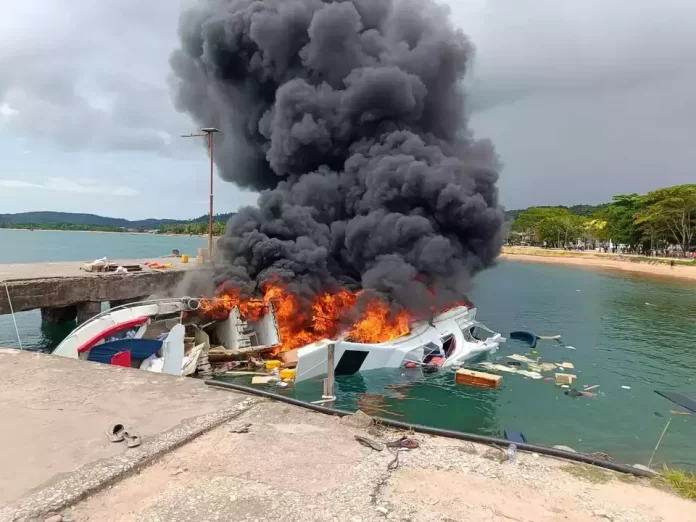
{"x": 583, "y": 100}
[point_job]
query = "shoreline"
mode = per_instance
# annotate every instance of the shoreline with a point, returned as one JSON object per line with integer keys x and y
{"x": 600, "y": 262}
{"x": 109, "y": 232}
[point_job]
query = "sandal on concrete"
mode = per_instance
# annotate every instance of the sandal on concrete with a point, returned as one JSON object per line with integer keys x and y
{"x": 132, "y": 440}
{"x": 116, "y": 432}
{"x": 369, "y": 443}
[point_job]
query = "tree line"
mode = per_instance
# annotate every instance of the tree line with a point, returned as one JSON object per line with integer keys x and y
{"x": 61, "y": 226}
{"x": 94, "y": 223}
{"x": 193, "y": 229}
{"x": 660, "y": 222}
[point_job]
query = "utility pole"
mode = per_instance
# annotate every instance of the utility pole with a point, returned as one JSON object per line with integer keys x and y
{"x": 208, "y": 132}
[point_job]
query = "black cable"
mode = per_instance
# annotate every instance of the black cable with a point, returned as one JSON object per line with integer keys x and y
{"x": 451, "y": 434}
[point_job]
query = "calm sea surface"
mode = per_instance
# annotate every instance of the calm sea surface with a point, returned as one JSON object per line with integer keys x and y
{"x": 627, "y": 330}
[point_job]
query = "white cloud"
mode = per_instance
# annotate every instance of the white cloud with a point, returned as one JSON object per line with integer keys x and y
{"x": 7, "y": 112}
{"x": 82, "y": 186}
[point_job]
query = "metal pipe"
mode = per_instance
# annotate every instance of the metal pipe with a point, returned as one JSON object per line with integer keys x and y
{"x": 208, "y": 131}
{"x": 471, "y": 437}
{"x": 210, "y": 218}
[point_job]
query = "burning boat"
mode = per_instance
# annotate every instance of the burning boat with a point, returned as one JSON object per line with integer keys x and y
{"x": 449, "y": 339}
{"x": 168, "y": 335}
{"x": 179, "y": 336}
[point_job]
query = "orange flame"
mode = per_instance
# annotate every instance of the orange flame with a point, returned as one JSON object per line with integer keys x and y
{"x": 376, "y": 323}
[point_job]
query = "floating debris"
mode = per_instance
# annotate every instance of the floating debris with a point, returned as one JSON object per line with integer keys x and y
{"x": 499, "y": 367}
{"x": 478, "y": 379}
{"x": 527, "y": 337}
{"x": 531, "y": 375}
{"x": 542, "y": 367}
{"x": 565, "y": 378}
{"x": 520, "y": 358}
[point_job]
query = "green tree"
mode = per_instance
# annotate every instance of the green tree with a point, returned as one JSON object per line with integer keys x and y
{"x": 670, "y": 214}
{"x": 620, "y": 216}
{"x": 552, "y": 225}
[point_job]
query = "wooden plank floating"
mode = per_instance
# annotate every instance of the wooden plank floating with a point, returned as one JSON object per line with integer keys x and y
{"x": 479, "y": 379}
{"x": 565, "y": 378}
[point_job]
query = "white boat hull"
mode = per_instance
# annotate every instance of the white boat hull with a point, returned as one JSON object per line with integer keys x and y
{"x": 112, "y": 319}
{"x": 351, "y": 357}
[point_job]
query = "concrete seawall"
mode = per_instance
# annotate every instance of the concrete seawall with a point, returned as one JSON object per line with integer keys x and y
{"x": 209, "y": 454}
{"x": 63, "y": 291}
{"x": 55, "y": 412}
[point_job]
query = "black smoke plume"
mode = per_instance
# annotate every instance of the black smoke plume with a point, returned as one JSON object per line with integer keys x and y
{"x": 349, "y": 117}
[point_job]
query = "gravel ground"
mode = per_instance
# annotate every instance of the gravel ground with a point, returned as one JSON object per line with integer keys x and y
{"x": 295, "y": 465}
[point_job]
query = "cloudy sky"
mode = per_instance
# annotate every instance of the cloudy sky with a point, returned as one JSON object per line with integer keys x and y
{"x": 583, "y": 99}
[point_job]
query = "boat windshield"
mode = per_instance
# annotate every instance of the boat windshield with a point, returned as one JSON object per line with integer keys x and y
{"x": 477, "y": 333}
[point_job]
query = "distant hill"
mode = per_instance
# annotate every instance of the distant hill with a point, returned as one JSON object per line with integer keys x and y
{"x": 92, "y": 220}
{"x": 578, "y": 210}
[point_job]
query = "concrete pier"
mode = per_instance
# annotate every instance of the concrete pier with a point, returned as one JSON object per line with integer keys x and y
{"x": 64, "y": 292}
{"x": 209, "y": 455}
{"x": 55, "y": 412}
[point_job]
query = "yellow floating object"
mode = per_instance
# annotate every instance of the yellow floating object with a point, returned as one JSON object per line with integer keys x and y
{"x": 565, "y": 378}
{"x": 479, "y": 379}
{"x": 287, "y": 374}
{"x": 272, "y": 364}
{"x": 184, "y": 258}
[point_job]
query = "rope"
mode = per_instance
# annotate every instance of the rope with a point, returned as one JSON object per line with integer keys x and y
{"x": 14, "y": 319}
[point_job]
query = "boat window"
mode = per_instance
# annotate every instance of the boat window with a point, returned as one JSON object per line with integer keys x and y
{"x": 448, "y": 345}
{"x": 469, "y": 335}
{"x": 431, "y": 350}
{"x": 475, "y": 333}
{"x": 480, "y": 333}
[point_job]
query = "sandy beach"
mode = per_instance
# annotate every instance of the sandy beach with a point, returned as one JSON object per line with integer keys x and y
{"x": 624, "y": 263}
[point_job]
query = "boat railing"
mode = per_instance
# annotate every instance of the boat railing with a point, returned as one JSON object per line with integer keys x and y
{"x": 171, "y": 300}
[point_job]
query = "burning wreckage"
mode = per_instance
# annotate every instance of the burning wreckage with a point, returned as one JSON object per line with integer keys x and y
{"x": 349, "y": 120}
{"x": 185, "y": 336}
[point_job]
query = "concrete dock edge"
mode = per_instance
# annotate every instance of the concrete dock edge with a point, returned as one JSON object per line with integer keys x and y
{"x": 74, "y": 486}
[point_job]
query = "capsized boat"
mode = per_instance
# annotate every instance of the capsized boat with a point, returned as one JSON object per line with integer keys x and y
{"x": 167, "y": 336}
{"x": 171, "y": 335}
{"x": 449, "y": 339}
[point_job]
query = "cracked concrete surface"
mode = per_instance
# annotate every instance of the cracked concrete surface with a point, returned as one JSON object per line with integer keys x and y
{"x": 55, "y": 412}
{"x": 296, "y": 465}
{"x": 292, "y": 464}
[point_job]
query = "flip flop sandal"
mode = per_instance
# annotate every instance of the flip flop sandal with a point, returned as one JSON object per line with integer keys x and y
{"x": 132, "y": 440}
{"x": 409, "y": 444}
{"x": 369, "y": 443}
{"x": 116, "y": 432}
